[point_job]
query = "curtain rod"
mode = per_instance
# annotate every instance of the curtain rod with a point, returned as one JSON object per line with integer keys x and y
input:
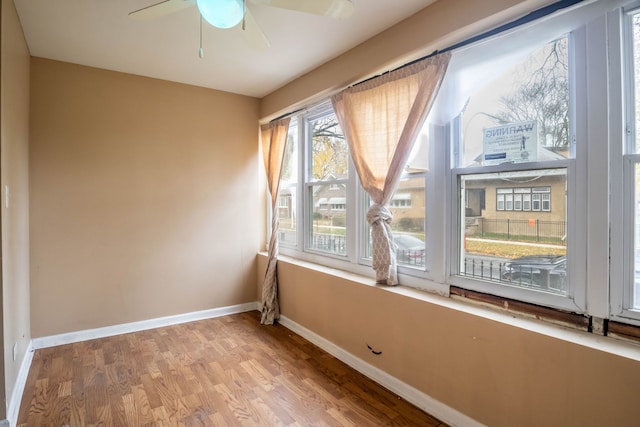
{"x": 287, "y": 115}
{"x": 531, "y": 16}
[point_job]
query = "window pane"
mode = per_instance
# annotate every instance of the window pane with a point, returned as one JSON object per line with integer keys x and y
{"x": 536, "y": 202}
{"x": 408, "y": 226}
{"x": 517, "y": 202}
{"x": 636, "y": 66}
{"x": 329, "y": 152}
{"x": 408, "y": 208}
{"x": 635, "y": 300}
{"x": 509, "y": 199}
{"x": 327, "y": 231}
{"x": 635, "y": 290}
{"x": 517, "y": 248}
{"x": 408, "y": 221}
{"x": 288, "y": 186}
{"x": 522, "y": 115}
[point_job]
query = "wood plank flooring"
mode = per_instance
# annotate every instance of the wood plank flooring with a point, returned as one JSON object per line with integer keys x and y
{"x": 227, "y": 371}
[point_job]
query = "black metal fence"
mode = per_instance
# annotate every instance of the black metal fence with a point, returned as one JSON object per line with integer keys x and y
{"x": 329, "y": 243}
{"x": 519, "y": 230}
{"x": 548, "y": 277}
{"x": 338, "y": 245}
{"x": 479, "y": 268}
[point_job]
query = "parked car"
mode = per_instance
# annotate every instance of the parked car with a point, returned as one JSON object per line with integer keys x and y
{"x": 410, "y": 249}
{"x": 541, "y": 271}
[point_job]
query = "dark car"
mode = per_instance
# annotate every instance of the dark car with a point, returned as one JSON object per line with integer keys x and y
{"x": 541, "y": 271}
{"x": 410, "y": 249}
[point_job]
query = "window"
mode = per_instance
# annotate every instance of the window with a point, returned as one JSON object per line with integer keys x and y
{"x": 402, "y": 200}
{"x": 546, "y": 202}
{"x": 522, "y": 198}
{"x": 626, "y": 288}
{"x": 506, "y": 137}
{"x": 287, "y": 200}
{"x": 633, "y": 20}
{"x": 408, "y": 209}
{"x": 327, "y": 176}
{"x": 495, "y": 240}
{"x": 518, "y": 170}
{"x": 517, "y": 202}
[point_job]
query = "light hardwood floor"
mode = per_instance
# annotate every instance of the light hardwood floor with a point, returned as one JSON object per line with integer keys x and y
{"x": 225, "y": 371}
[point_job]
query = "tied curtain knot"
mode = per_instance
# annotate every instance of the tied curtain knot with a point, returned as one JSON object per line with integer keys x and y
{"x": 383, "y": 247}
{"x": 378, "y": 212}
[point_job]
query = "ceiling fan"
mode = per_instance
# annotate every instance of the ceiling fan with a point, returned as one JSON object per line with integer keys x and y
{"x": 229, "y": 13}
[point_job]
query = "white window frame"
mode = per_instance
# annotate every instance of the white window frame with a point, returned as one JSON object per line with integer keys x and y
{"x": 624, "y": 158}
{"x": 352, "y": 261}
{"x": 526, "y": 199}
{"x": 403, "y": 202}
{"x": 356, "y": 259}
{"x": 519, "y": 197}
{"x": 296, "y": 190}
{"x": 309, "y": 183}
{"x": 574, "y": 299}
{"x": 596, "y": 194}
{"x": 546, "y": 202}
{"x": 517, "y": 201}
{"x": 421, "y": 277}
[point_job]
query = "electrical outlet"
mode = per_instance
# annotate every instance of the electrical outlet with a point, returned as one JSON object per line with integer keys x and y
{"x": 15, "y": 351}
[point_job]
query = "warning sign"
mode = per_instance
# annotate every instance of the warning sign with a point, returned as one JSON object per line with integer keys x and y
{"x": 512, "y": 143}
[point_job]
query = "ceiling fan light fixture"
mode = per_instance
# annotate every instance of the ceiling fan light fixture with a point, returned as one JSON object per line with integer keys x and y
{"x": 221, "y": 13}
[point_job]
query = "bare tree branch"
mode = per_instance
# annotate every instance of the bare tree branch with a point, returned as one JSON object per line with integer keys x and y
{"x": 544, "y": 97}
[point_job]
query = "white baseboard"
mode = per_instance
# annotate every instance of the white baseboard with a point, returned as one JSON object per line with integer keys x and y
{"x": 411, "y": 394}
{"x": 125, "y": 328}
{"x": 18, "y": 388}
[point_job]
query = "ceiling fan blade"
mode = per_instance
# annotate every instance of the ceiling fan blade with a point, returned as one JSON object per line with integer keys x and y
{"x": 339, "y": 9}
{"x": 253, "y": 34}
{"x": 160, "y": 9}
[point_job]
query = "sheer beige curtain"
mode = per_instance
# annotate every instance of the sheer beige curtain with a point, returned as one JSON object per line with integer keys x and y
{"x": 274, "y": 139}
{"x": 381, "y": 119}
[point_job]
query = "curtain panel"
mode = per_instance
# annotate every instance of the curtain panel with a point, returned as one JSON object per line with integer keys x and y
{"x": 381, "y": 119}
{"x": 274, "y": 139}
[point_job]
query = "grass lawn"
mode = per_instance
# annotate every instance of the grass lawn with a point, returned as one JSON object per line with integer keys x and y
{"x": 510, "y": 250}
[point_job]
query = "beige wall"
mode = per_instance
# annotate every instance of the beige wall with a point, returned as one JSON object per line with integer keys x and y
{"x": 144, "y": 198}
{"x": 437, "y": 26}
{"x": 14, "y": 166}
{"x": 495, "y": 373}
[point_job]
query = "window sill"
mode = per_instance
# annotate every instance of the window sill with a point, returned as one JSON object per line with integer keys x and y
{"x": 363, "y": 270}
{"x": 541, "y": 324}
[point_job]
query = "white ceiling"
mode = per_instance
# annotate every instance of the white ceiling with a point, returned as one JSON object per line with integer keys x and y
{"x": 99, "y": 33}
